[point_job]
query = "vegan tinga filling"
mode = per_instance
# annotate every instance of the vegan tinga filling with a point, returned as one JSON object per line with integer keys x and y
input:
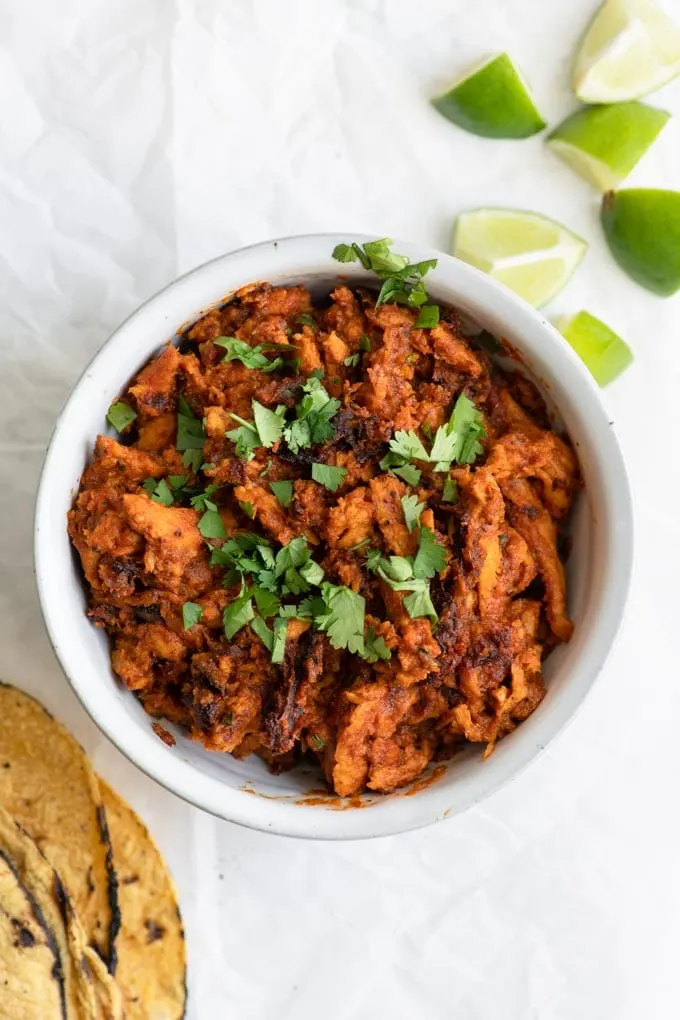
{"x": 330, "y": 529}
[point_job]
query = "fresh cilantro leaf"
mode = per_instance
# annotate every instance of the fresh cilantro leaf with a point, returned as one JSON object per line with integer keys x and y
{"x": 431, "y": 556}
{"x": 305, "y": 319}
{"x": 260, "y": 628}
{"x": 458, "y": 440}
{"x": 192, "y": 459}
{"x": 245, "y": 437}
{"x": 269, "y": 424}
{"x": 228, "y": 718}
{"x": 292, "y": 555}
{"x": 120, "y": 415}
{"x": 412, "y": 511}
{"x": 364, "y": 342}
{"x": 149, "y": 485}
{"x": 163, "y": 494}
{"x": 344, "y": 253}
{"x": 248, "y": 508}
{"x": 343, "y": 619}
{"x": 409, "y": 473}
{"x": 309, "y": 608}
{"x": 408, "y": 445}
{"x": 267, "y": 469}
{"x": 313, "y": 415}
{"x": 373, "y": 559}
{"x": 312, "y": 572}
{"x": 419, "y": 603}
{"x": 450, "y": 491}
{"x": 396, "y": 569}
{"x": 283, "y": 491}
{"x": 202, "y": 501}
{"x": 177, "y": 481}
{"x": 352, "y": 360}
{"x": 376, "y": 648}
{"x": 237, "y": 614}
{"x": 428, "y": 317}
{"x": 317, "y": 742}
{"x": 251, "y": 357}
{"x": 279, "y": 642}
{"x": 190, "y": 433}
{"x": 191, "y": 614}
{"x": 211, "y": 525}
{"x": 328, "y": 476}
{"x": 267, "y": 603}
{"x": 488, "y": 342}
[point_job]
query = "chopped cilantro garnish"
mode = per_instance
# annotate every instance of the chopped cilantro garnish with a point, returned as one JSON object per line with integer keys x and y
{"x": 343, "y": 619}
{"x": 412, "y": 511}
{"x": 458, "y": 440}
{"x": 312, "y": 417}
{"x": 238, "y": 613}
{"x": 317, "y": 742}
{"x": 267, "y": 469}
{"x": 409, "y": 473}
{"x": 305, "y": 319}
{"x": 260, "y": 628}
{"x": 248, "y": 508}
{"x": 328, "y": 476}
{"x": 245, "y": 437}
{"x": 408, "y": 445}
{"x": 279, "y": 642}
{"x": 419, "y": 603}
{"x": 163, "y": 493}
{"x": 267, "y": 603}
{"x": 428, "y": 317}
{"x": 364, "y": 342}
{"x": 375, "y": 648}
{"x": 192, "y": 459}
{"x": 352, "y": 360}
{"x": 431, "y": 556}
{"x": 191, "y": 614}
{"x": 120, "y": 415}
{"x": 269, "y": 424}
{"x": 402, "y": 282}
{"x": 190, "y": 433}
{"x": 450, "y": 491}
{"x": 211, "y": 525}
{"x": 251, "y": 357}
{"x": 202, "y": 501}
{"x": 283, "y": 491}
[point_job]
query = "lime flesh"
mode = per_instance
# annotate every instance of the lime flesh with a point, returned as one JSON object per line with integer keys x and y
{"x": 642, "y": 227}
{"x": 494, "y": 101}
{"x": 602, "y": 351}
{"x": 604, "y": 143}
{"x": 529, "y": 253}
{"x": 631, "y": 48}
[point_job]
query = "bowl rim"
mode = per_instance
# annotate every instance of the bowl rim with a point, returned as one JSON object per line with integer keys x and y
{"x": 286, "y": 816}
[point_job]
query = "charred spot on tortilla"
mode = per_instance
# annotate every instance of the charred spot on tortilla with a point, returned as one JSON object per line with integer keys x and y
{"x": 154, "y": 931}
{"x": 112, "y": 887}
{"x": 24, "y": 937}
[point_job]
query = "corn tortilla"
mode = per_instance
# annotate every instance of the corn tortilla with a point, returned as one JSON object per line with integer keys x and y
{"x": 48, "y": 785}
{"x": 150, "y": 947}
{"x": 31, "y": 984}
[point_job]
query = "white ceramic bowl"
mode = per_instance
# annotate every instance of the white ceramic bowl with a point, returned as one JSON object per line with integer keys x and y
{"x": 598, "y": 574}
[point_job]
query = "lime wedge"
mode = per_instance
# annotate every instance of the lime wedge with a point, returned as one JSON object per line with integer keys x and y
{"x": 642, "y": 227}
{"x": 630, "y": 48}
{"x": 493, "y": 101}
{"x": 602, "y": 351}
{"x": 531, "y": 254}
{"x": 603, "y": 143}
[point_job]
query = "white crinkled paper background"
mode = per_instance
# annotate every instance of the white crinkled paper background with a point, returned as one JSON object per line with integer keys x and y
{"x": 141, "y": 138}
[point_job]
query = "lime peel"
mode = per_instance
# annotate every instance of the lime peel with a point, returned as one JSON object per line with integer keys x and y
{"x": 604, "y": 143}
{"x": 493, "y": 101}
{"x": 602, "y": 351}
{"x": 642, "y": 228}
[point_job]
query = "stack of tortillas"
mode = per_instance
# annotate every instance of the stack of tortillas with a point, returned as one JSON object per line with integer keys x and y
{"x": 90, "y": 927}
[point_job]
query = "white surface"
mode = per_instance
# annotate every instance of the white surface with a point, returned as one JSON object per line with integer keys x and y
{"x": 599, "y": 569}
{"x": 142, "y": 138}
